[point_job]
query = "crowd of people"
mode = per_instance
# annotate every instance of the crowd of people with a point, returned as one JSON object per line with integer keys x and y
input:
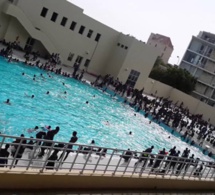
{"x": 161, "y": 109}
{"x": 175, "y": 115}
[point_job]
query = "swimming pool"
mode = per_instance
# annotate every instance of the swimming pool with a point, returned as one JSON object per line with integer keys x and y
{"x": 71, "y": 113}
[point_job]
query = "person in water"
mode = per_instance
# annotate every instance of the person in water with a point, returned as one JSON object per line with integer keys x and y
{"x": 7, "y": 102}
{"x": 47, "y": 92}
{"x": 130, "y": 133}
{"x": 87, "y": 102}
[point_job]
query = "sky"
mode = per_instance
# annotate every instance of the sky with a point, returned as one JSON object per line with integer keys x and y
{"x": 178, "y": 19}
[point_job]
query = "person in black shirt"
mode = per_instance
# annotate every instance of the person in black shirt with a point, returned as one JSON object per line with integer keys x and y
{"x": 171, "y": 153}
{"x": 40, "y": 135}
{"x": 4, "y": 154}
{"x": 53, "y": 158}
{"x": 49, "y": 136}
{"x": 19, "y": 149}
{"x": 73, "y": 139}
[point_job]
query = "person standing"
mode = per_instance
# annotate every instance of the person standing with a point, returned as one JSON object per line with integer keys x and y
{"x": 49, "y": 136}
{"x": 73, "y": 139}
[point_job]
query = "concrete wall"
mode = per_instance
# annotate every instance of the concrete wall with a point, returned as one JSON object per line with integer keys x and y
{"x": 139, "y": 58}
{"x": 52, "y": 181}
{"x": 194, "y": 105}
{"x": 157, "y": 88}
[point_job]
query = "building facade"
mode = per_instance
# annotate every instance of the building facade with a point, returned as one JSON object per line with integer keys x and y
{"x": 199, "y": 60}
{"x": 53, "y": 26}
{"x": 163, "y": 44}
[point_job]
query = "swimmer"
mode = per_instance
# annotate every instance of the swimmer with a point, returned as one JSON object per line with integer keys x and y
{"x": 65, "y": 92}
{"x": 94, "y": 96}
{"x": 169, "y": 137}
{"x": 135, "y": 114}
{"x": 150, "y": 122}
{"x": 23, "y": 74}
{"x": 47, "y": 92}
{"x": 107, "y": 123}
{"x": 63, "y": 83}
{"x": 130, "y": 133}
{"x": 92, "y": 142}
{"x": 7, "y": 102}
{"x": 87, "y": 102}
{"x": 32, "y": 130}
{"x": 34, "y": 79}
{"x": 46, "y": 128}
{"x": 42, "y": 76}
{"x": 34, "y": 75}
{"x": 32, "y": 96}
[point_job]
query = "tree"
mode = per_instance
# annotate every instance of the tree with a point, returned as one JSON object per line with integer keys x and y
{"x": 176, "y": 77}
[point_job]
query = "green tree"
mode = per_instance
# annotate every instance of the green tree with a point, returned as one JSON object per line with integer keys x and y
{"x": 176, "y": 77}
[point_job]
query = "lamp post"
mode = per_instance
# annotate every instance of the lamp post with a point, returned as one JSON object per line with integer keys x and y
{"x": 178, "y": 60}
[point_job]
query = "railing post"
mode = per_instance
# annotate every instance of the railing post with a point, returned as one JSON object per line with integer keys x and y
{"x": 47, "y": 157}
{"x": 112, "y": 154}
{"x": 17, "y": 150}
{"x": 88, "y": 157}
{"x": 128, "y": 164}
{"x": 208, "y": 172}
{"x": 2, "y": 142}
{"x": 100, "y": 156}
{"x": 63, "y": 154}
{"x": 117, "y": 165}
{"x": 201, "y": 174}
{"x": 32, "y": 157}
{"x": 76, "y": 156}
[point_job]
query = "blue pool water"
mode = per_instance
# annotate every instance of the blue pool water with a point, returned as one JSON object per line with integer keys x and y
{"x": 72, "y": 114}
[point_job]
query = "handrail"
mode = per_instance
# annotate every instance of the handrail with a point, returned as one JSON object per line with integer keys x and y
{"x": 93, "y": 159}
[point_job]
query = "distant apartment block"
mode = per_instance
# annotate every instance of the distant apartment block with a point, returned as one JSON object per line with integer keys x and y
{"x": 163, "y": 45}
{"x": 199, "y": 60}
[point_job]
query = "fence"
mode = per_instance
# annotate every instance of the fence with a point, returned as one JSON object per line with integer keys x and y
{"x": 44, "y": 155}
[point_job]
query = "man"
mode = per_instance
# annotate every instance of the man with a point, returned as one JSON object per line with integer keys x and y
{"x": 171, "y": 153}
{"x": 73, "y": 139}
{"x": 144, "y": 157}
{"x": 49, "y": 136}
{"x": 4, "y": 155}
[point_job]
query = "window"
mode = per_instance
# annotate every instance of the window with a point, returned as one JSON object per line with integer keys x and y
{"x": 155, "y": 45}
{"x": 132, "y": 78}
{"x": 122, "y": 46}
{"x": 126, "y": 47}
{"x": 73, "y": 25}
{"x": 54, "y": 17}
{"x": 81, "y": 30}
{"x": 71, "y": 55}
{"x": 79, "y": 59}
{"x": 87, "y": 62}
{"x": 90, "y": 32}
{"x": 162, "y": 55}
{"x": 98, "y": 36}
{"x": 165, "y": 48}
{"x": 118, "y": 44}
{"x": 44, "y": 12}
{"x": 63, "y": 21}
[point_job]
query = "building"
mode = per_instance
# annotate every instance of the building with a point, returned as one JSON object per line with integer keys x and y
{"x": 53, "y": 26}
{"x": 199, "y": 60}
{"x": 163, "y": 45}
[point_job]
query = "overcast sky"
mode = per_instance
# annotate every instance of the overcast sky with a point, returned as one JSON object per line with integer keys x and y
{"x": 178, "y": 19}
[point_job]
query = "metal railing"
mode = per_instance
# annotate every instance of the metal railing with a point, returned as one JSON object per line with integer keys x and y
{"x": 43, "y": 155}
